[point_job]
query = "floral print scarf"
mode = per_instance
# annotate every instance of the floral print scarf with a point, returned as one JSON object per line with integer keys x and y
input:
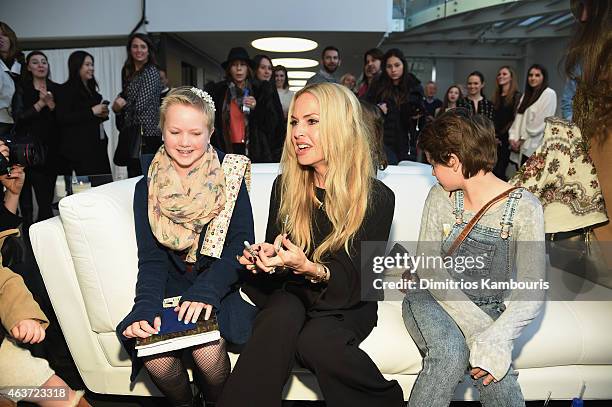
{"x": 179, "y": 208}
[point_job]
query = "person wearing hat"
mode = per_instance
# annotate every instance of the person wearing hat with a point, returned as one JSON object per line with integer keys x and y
{"x": 248, "y": 122}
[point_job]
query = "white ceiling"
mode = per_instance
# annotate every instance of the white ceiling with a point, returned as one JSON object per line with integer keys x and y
{"x": 352, "y": 45}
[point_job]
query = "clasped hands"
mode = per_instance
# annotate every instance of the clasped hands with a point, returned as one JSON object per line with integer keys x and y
{"x": 266, "y": 257}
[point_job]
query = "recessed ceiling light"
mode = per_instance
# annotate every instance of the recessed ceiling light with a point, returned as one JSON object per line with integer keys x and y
{"x": 300, "y": 74}
{"x": 284, "y": 44}
{"x": 297, "y": 82}
{"x": 295, "y": 62}
{"x": 295, "y": 88}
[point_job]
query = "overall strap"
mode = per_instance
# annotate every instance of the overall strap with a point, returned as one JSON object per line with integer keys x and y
{"x": 509, "y": 211}
{"x": 468, "y": 228}
{"x": 236, "y": 168}
{"x": 458, "y": 211}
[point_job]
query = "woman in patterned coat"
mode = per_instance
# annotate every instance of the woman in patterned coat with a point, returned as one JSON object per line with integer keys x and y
{"x": 137, "y": 106}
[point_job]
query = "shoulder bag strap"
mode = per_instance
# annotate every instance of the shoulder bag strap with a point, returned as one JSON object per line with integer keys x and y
{"x": 468, "y": 228}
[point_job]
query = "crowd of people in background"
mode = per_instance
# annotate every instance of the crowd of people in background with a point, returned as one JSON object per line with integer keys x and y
{"x": 253, "y": 100}
{"x": 386, "y": 116}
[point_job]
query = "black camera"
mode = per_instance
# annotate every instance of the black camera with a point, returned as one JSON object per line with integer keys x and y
{"x": 24, "y": 154}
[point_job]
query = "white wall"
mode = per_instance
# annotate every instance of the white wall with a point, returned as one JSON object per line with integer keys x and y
{"x": 549, "y": 53}
{"x": 70, "y": 19}
{"x": 270, "y": 15}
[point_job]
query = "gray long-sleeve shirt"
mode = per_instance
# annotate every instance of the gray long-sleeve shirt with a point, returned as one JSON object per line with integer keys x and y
{"x": 490, "y": 342}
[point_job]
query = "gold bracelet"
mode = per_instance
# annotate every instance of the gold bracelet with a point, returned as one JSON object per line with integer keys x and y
{"x": 322, "y": 274}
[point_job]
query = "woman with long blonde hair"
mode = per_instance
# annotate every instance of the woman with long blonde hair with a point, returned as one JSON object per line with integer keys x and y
{"x": 306, "y": 276}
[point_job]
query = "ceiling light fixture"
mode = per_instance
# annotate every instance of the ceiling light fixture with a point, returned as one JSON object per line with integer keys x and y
{"x": 284, "y": 44}
{"x": 295, "y": 62}
{"x": 300, "y": 74}
{"x": 295, "y": 88}
{"x": 297, "y": 82}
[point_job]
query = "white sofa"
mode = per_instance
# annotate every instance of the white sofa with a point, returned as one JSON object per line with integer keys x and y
{"x": 88, "y": 260}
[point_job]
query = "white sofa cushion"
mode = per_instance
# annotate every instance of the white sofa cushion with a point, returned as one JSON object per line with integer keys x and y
{"x": 99, "y": 226}
{"x": 99, "y": 230}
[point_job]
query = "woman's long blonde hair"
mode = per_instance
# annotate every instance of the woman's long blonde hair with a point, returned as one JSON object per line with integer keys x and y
{"x": 346, "y": 148}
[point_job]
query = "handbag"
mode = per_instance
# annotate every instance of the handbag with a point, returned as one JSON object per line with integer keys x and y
{"x": 580, "y": 253}
{"x": 128, "y": 135}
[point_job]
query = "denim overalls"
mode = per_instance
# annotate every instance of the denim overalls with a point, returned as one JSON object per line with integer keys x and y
{"x": 441, "y": 342}
{"x": 489, "y": 245}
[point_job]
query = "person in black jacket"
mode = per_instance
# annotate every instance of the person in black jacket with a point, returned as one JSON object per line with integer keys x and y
{"x": 36, "y": 122}
{"x": 505, "y": 103}
{"x": 399, "y": 95}
{"x": 246, "y": 124}
{"x": 184, "y": 191}
{"x": 80, "y": 113}
{"x": 314, "y": 311}
{"x": 138, "y": 103}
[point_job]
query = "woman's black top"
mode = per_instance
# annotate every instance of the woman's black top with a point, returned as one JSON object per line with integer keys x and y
{"x": 82, "y": 140}
{"x": 504, "y": 116}
{"x": 348, "y": 283}
{"x": 40, "y": 126}
{"x": 399, "y": 127}
{"x": 485, "y": 107}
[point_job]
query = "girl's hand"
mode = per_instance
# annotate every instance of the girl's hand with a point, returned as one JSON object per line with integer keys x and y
{"x": 142, "y": 329}
{"x": 190, "y": 311}
{"x": 477, "y": 373}
{"x": 28, "y": 331}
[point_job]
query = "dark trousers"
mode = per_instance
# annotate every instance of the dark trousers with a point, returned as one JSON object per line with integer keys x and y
{"x": 503, "y": 158}
{"x": 43, "y": 184}
{"x": 134, "y": 168}
{"x": 328, "y": 346}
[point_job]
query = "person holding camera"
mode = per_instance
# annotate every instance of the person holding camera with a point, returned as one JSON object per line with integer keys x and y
{"x": 80, "y": 112}
{"x": 21, "y": 319}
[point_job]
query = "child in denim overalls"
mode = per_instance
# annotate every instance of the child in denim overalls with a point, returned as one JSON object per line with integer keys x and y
{"x": 473, "y": 327}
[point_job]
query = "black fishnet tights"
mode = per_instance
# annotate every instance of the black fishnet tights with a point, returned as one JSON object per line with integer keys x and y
{"x": 169, "y": 374}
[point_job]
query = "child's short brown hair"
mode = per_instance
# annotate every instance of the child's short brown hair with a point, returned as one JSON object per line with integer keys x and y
{"x": 470, "y": 138}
